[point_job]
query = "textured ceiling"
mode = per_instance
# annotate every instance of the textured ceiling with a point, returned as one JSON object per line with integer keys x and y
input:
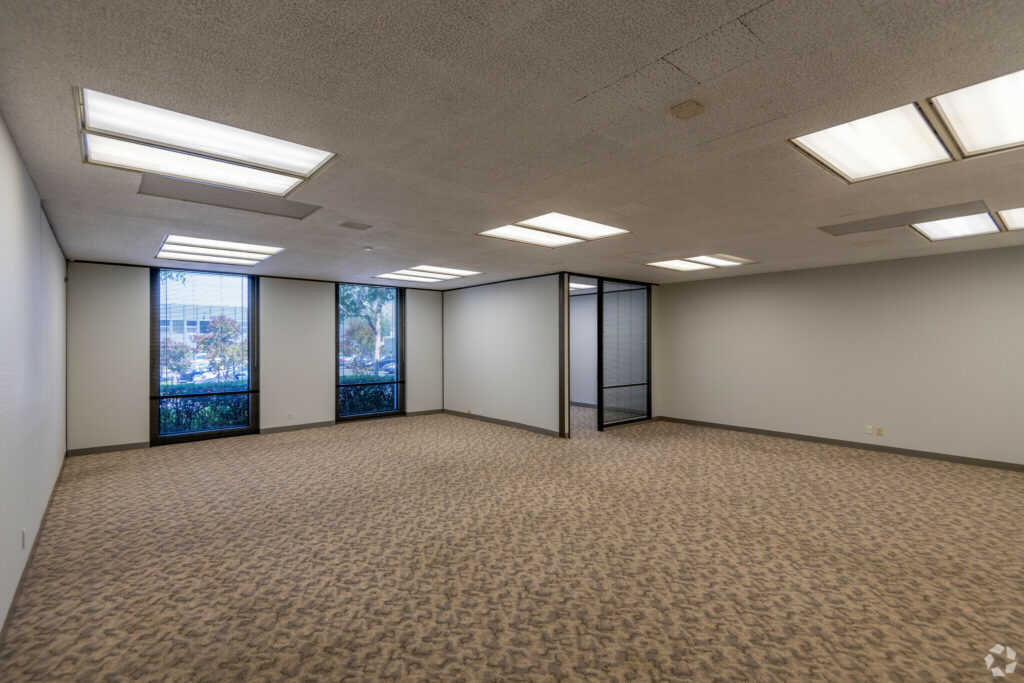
{"x": 450, "y": 118}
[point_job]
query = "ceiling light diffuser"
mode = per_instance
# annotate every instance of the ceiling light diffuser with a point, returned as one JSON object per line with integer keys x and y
{"x": 518, "y": 233}
{"x": 181, "y": 248}
{"x": 679, "y": 264}
{"x": 174, "y": 256}
{"x": 117, "y": 116}
{"x": 961, "y": 226}
{"x": 720, "y": 260}
{"x": 446, "y": 271}
{"x": 418, "y": 273}
{"x": 409, "y": 278}
{"x": 577, "y": 285}
{"x": 1013, "y": 218}
{"x": 136, "y": 157}
{"x": 570, "y": 225}
{"x": 221, "y": 244}
{"x": 986, "y": 116}
{"x": 877, "y": 145}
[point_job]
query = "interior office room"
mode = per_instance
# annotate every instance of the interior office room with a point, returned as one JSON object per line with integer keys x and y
{"x": 528, "y": 340}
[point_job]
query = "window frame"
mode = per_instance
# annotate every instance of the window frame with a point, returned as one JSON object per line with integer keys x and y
{"x": 155, "y": 439}
{"x": 400, "y": 375}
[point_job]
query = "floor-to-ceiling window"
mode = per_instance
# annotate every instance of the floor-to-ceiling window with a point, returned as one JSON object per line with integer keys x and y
{"x": 204, "y": 377}
{"x": 370, "y": 339}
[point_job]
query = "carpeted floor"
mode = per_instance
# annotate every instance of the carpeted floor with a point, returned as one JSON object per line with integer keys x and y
{"x": 441, "y": 548}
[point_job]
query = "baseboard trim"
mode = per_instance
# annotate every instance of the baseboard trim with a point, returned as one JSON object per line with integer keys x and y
{"x": 504, "y": 423}
{"x": 106, "y": 449}
{"x": 295, "y": 428}
{"x": 31, "y": 556}
{"x": 417, "y": 413}
{"x": 896, "y": 450}
{"x": 583, "y": 405}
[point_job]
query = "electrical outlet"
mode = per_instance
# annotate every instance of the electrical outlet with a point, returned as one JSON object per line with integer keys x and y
{"x": 878, "y": 431}
{"x": 291, "y": 416}
{"x": 869, "y": 430}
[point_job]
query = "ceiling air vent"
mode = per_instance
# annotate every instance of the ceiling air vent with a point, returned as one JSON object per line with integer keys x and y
{"x": 213, "y": 195}
{"x": 355, "y": 225}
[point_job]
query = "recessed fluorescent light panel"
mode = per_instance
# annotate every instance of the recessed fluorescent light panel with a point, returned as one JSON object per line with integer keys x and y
{"x": 1013, "y": 218}
{"x": 428, "y": 274}
{"x": 407, "y": 278}
{"x": 554, "y": 230}
{"x": 445, "y": 271}
{"x": 134, "y": 120}
{"x": 517, "y": 233}
{"x": 892, "y": 141}
{"x": 139, "y": 137}
{"x": 702, "y": 262}
{"x": 720, "y": 260}
{"x": 987, "y": 116}
{"x": 135, "y": 157}
{"x": 679, "y": 264}
{"x": 962, "y": 226}
{"x": 575, "y": 227}
{"x": 180, "y": 248}
{"x": 579, "y": 285}
{"x": 419, "y": 273}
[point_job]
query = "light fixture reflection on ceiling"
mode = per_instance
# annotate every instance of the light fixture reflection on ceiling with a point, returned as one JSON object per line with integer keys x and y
{"x": 961, "y": 226}
{"x": 579, "y": 285}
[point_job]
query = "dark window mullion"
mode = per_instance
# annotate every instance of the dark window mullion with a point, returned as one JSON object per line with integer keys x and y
{"x": 208, "y": 414}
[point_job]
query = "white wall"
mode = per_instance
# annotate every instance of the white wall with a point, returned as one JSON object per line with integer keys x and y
{"x": 32, "y": 361}
{"x": 583, "y": 348}
{"x": 424, "y": 381}
{"x": 297, "y": 365}
{"x": 108, "y": 355}
{"x": 501, "y": 351}
{"x": 108, "y": 338}
{"x": 928, "y": 348}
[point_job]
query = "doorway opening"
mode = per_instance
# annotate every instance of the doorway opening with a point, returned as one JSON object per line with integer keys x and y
{"x": 609, "y": 352}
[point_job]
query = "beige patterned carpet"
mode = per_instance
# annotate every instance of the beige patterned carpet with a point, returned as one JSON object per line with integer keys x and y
{"x": 441, "y": 548}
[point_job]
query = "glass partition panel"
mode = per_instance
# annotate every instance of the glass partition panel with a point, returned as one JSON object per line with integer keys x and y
{"x": 624, "y": 371}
